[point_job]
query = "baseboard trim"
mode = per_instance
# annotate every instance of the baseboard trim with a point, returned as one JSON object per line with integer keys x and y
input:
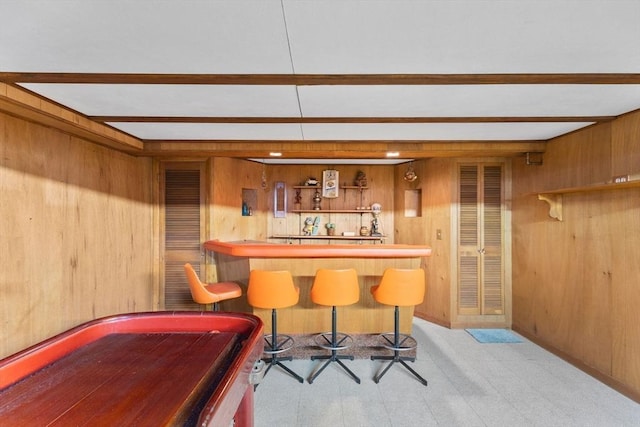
{"x": 431, "y": 319}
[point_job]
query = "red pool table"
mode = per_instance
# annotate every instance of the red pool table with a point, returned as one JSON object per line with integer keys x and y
{"x": 161, "y": 368}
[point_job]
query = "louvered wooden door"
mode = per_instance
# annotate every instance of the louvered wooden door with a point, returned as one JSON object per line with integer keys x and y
{"x": 480, "y": 244}
{"x": 183, "y": 231}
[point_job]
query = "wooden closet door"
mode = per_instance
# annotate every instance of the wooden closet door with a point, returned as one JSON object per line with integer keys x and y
{"x": 480, "y": 240}
{"x": 183, "y": 230}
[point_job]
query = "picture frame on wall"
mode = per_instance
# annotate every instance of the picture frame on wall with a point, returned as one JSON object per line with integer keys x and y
{"x": 279, "y": 200}
{"x": 330, "y": 184}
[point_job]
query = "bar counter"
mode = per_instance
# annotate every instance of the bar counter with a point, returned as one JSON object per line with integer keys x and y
{"x": 234, "y": 260}
{"x": 273, "y": 250}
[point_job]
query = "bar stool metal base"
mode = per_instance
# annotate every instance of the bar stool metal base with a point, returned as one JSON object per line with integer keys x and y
{"x": 400, "y": 343}
{"x": 281, "y": 344}
{"x": 326, "y": 341}
{"x": 333, "y": 341}
{"x": 276, "y": 344}
{"x": 333, "y": 358}
{"x": 400, "y": 359}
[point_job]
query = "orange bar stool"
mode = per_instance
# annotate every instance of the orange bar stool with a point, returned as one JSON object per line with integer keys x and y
{"x": 273, "y": 290}
{"x": 399, "y": 287}
{"x": 211, "y": 293}
{"x": 334, "y": 288}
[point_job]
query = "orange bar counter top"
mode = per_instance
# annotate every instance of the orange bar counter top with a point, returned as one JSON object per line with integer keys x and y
{"x": 234, "y": 260}
{"x": 254, "y": 249}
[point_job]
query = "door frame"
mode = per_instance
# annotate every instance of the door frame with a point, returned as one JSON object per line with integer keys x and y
{"x": 493, "y": 320}
{"x": 160, "y": 166}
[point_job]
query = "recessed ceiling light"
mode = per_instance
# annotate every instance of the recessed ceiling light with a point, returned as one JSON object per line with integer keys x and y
{"x": 392, "y": 154}
{"x": 275, "y": 154}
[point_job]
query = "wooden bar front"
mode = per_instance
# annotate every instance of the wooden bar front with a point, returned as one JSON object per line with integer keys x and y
{"x": 234, "y": 261}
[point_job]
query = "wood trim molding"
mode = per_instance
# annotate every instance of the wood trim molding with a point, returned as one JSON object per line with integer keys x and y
{"x": 188, "y": 119}
{"x": 340, "y": 149}
{"x": 323, "y": 79}
{"x": 23, "y": 104}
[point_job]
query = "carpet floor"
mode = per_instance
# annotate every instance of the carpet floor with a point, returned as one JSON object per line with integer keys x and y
{"x": 363, "y": 347}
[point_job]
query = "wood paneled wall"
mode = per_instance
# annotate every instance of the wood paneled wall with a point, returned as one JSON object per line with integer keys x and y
{"x": 76, "y": 233}
{"x": 576, "y": 283}
{"x": 228, "y": 178}
{"x": 435, "y": 178}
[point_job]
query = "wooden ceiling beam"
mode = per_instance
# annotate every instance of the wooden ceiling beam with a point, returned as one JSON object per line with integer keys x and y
{"x": 322, "y": 79}
{"x": 317, "y": 120}
{"x": 339, "y": 149}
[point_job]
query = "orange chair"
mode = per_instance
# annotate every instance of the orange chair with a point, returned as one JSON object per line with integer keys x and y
{"x": 211, "y": 293}
{"x": 399, "y": 287}
{"x": 334, "y": 288}
{"x": 273, "y": 290}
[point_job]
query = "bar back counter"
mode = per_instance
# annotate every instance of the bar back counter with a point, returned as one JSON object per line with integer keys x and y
{"x": 234, "y": 261}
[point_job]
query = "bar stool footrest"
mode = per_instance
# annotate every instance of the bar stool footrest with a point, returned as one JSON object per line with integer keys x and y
{"x": 405, "y": 342}
{"x": 284, "y": 343}
{"x": 343, "y": 341}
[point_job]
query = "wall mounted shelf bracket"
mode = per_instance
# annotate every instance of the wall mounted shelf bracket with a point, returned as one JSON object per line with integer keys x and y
{"x": 555, "y": 204}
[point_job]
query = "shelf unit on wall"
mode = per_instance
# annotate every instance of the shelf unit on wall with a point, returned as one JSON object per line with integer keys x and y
{"x": 345, "y": 211}
{"x": 361, "y": 239}
{"x": 344, "y": 188}
{"x": 341, "y": 210}
{"x": 554, "y": 197}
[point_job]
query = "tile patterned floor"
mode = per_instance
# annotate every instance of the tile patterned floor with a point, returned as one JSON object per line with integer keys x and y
{"x": 470, "y": 384}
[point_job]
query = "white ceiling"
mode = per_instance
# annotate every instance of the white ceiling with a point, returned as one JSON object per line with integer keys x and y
{"x": 326, "y": 38}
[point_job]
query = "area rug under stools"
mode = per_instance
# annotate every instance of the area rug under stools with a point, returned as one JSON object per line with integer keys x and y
{"x": 494, "y": 335}
{"x": 364, "y": 346}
